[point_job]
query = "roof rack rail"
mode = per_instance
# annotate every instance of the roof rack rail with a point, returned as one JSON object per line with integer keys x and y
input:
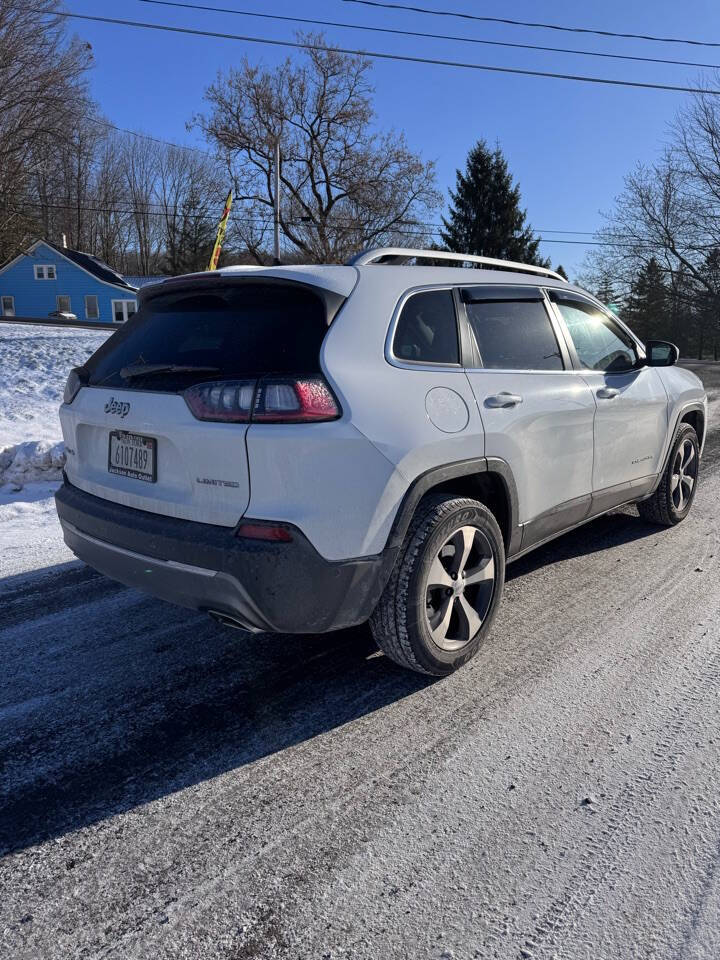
{"x": 403, "y": 254}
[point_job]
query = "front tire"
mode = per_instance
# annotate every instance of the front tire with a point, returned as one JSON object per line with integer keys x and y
{"x": 439, "y": 604}
{"x": 674, "y": 496}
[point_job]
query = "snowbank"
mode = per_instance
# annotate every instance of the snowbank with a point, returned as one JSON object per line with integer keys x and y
{"x": 34, "y": 364}
{"x": 31, "y": 462}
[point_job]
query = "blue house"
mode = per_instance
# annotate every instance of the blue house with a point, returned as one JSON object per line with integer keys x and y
{"x": 47, "y": 279}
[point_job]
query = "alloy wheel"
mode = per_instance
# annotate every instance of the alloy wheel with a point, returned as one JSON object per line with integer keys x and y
{"x": 684, "y": 474}
{"x": 459, "y": 588}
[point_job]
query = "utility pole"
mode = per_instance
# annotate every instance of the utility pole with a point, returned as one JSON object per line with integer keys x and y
{"x": 276, "y": 211}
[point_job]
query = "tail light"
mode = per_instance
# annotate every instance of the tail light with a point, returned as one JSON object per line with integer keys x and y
{"x": 229, "y": 401}
{"x": 290, "y": 400}
{"x": 269, "y": 400}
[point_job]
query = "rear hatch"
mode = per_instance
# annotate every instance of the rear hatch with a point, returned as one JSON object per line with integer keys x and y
{"x": 160, "y": 420}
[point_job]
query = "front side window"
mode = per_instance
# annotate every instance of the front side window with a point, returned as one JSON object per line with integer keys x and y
{"x": 514, "y": 335}
{"x": 63, "y": 304}
{"x": 91, "y": 307}
{"x": 426, "y": 330}
{"x": 45, "y": 271}
{"x": 8, "y": 306}
{"x": 600, "y": 343}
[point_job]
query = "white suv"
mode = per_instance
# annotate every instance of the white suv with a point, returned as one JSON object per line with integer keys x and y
{"x": 299, "y": 449}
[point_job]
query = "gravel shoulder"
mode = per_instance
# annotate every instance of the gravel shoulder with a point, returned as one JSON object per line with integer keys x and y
{"x": 170, "y": 789}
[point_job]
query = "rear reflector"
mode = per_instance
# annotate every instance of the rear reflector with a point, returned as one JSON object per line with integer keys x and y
{"x": 268, "y": 400}
{"x": 264, "y": 531}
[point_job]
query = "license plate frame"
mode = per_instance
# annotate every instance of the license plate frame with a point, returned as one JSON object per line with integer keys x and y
{"x": 149, "y": 443}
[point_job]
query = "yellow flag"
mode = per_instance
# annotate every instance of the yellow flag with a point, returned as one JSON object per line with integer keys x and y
{"x": 222, "y": 227}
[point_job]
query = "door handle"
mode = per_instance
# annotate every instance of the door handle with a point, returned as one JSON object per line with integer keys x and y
{"x": 503, "y": 399}
{"x": 607, "y": 393}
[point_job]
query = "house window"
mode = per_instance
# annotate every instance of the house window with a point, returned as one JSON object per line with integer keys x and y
{"x": 45, "y": 271}
{"x": 63, "y": 304}
{"x": 122, "y": 310}
{"x": 8, "y": 306}
{"x": 91, "y": 307}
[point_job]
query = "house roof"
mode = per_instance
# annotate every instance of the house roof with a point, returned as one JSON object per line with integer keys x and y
{"x": 136, "y": 281}
{"x": 91, "y": 264}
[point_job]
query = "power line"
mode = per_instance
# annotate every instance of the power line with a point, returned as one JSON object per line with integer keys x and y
{"x": 140, "y": 211}
{"x": 531, "y": 23}
{"x": 145, "y": 136}
{"x": 405, "y": 58}
{"x": 294, "y": 221}
{"x": 298, "y": 222}
{"x": 429, "y": 36}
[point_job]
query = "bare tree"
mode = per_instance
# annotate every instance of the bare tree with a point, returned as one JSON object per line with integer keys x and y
{"x": 190, "y": 197}
{"x": 343, "y": 186}
{"x": 42, "y": 96}
{"x": 669, "y": 213}
{"x": 670, "y": 210}
{"x": 140, "y": 170}
{"x": 112, "y": 216}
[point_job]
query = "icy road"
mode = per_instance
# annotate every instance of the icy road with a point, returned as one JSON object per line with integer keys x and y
{"x": 172, "y": 789}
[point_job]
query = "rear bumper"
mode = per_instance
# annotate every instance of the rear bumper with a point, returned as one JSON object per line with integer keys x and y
{"x": 265, "y": 586}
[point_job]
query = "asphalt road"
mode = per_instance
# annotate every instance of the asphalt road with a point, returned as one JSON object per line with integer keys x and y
{"x": 169, "y": 788}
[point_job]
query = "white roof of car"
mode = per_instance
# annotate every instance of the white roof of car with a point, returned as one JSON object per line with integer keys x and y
{"x": 394, "y": 276}
{"x": 342, "y": 279}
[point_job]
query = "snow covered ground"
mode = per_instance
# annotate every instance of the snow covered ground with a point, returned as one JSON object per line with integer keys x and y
{"x": 34, "y": 363}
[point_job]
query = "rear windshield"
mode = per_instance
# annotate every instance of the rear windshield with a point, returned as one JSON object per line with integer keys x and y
{"x": 228, "y": 333}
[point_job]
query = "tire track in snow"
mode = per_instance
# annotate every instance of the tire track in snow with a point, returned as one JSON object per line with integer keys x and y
{"x": 602, "y": 857}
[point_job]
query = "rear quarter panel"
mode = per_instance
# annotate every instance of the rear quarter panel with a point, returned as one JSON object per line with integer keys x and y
{"x": 327, "y": 479}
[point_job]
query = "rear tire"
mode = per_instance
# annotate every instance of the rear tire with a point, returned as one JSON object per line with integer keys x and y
{"x": 440, "y": 602}
{"x": 674, "y": 496}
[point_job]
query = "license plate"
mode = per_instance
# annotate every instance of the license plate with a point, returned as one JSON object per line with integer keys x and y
{"x": 131, "y": 455}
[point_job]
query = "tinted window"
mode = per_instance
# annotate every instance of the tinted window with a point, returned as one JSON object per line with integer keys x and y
{"x": 238, "y": 331}
{"x": 426, "y": 331}
{"x": 599, "y": 342}
{"x": 514, "y": 335}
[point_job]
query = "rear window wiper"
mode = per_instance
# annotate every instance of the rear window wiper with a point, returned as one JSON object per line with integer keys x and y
{"x": 147, "y": 369}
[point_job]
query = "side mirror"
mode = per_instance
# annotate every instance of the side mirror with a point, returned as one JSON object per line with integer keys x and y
{"x": 660, "y": 353}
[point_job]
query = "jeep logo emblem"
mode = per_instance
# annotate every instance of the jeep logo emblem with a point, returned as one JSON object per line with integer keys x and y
{"x": 115, "y": 406}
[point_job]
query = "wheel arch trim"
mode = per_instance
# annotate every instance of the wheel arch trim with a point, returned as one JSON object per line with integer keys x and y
{"x": 460, "y": 469}
{"x": 694, "y": 406}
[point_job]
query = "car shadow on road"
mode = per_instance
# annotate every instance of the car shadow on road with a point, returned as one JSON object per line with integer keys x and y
{"x": 612, "y": 530}
{"x": 110, "y": 699}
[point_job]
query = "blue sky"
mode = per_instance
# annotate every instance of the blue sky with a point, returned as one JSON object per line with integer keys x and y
{"x": 568, "y": 144}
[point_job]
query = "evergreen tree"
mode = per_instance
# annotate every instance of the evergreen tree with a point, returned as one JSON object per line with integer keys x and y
{"x": 605, "y": 289}
{"x": 561, "y": 270}
{"x": 485, "y": 215}
{"x": 648, "y": 306}
{"x": 707, "y": 308}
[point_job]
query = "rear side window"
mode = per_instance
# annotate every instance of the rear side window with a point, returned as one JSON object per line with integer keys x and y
{"x": 232, "y": 332}
{"x": 426, "y": 330}
{"x": 514, "y": 335}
